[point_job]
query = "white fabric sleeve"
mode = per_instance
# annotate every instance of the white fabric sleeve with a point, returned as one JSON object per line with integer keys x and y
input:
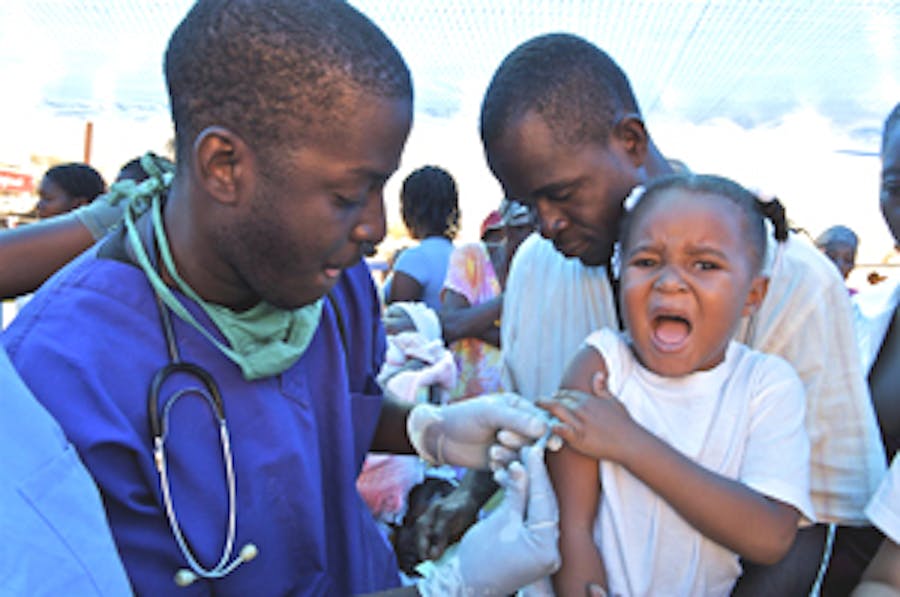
{"x": 873, "y": 310}
{"x": 513, "y": 295}
{"x": 776, "y": 460}
{"x": 806, "y": 318}
{"x": 551, "y": 304}
{"x": 616, "y": 354}
{"x": 884, "y": 508}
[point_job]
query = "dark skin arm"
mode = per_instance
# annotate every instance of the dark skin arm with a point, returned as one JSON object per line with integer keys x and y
{"x": 448, "y": 518}
{"x": 459, "y": 319}
{"x": 390, "y": 434}
{"x": 884, "y": 379}
{"x": 882, "y": 576}
{"x": 576, "y": 480}
{"x": 405, "y": 288}
{"x": 31, "y": 254}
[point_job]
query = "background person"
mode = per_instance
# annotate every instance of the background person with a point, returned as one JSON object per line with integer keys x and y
{"x": 56, "y": 539}
{"x": 491, "y": 232}
{"x": 883, "y": 323}
{"x": 63, "y": 188}
{"x": 429, "y": 204}
{"x": 67, "y": 187}
{"x": 29, "y": 255}
{"x": 389, "y": 272}
{"x": 472, "y": 302}
{"x": 839, "y": 244}
{"x": 879, "y": 326}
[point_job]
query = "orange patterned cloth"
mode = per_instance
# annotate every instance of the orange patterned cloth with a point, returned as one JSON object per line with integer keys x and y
{"x": 471, "y": 274}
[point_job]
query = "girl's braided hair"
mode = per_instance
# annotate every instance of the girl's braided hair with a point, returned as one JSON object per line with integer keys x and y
{"x": 753, "y": 208}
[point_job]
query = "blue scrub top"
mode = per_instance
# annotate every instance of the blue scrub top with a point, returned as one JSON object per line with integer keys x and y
{"x": 89, "y": 344}
{"x": 55, "y": 539}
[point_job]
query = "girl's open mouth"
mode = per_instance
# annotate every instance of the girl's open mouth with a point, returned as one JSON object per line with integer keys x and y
{"x": 670, "y": 332}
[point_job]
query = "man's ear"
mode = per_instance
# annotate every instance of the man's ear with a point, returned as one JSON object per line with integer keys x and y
{"x": 758, "y": 288}
{"x": 222, "y": 163}
{"x": 630, "y": 134}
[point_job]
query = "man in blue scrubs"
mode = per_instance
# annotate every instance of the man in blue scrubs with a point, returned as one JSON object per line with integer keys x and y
{"x": 289, "y": 117}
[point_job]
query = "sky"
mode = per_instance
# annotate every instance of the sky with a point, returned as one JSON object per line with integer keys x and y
{"x": 787, "y": 97}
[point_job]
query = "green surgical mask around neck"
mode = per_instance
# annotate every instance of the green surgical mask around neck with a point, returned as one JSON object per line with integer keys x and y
{"x": 263, "y": 341}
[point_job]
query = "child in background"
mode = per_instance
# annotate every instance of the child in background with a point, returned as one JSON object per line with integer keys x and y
{"x": 701, "y": 441}
{"x": 429, "y": 204}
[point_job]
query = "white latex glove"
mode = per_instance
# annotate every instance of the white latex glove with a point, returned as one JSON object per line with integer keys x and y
{"x": 463, "y": 433}
{"x": 105, "y": 212}
{"x": 507, "y": 550}
{"x": 100, "y": 215}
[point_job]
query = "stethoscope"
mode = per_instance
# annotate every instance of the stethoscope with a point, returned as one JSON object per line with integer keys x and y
{"x": 209, "y": 390}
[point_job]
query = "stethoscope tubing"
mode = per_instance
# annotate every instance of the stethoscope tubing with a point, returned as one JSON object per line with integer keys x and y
{"x": 222, "y": 568}
{"x": 159, "y": 430}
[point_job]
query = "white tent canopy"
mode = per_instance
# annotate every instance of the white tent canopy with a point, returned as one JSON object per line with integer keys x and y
{"x": 714, "y": 77}
{"x": 750, "y": 61}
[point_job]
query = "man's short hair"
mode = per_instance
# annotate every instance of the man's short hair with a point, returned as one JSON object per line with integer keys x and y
{"x": 274, "y": 70}
{"x": 574, "y": 85}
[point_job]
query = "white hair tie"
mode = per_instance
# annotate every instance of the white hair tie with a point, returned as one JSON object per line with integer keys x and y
{"x": 633, "y": 197}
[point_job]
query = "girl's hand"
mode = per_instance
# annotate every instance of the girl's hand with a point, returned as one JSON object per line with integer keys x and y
{"x": 597, "y": 425}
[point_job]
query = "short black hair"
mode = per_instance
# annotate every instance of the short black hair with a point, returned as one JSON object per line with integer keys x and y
{"x": 575, "y": 86}
{"x": 838, "y": 234}
{"x": 134, "y": 170}
{"x": 712, "y": 186}
{"x": 429, "y": 203}
{"x": 273, "y": 71}
{"x": 78, "y": 180}
{"x": 890, "y": 123}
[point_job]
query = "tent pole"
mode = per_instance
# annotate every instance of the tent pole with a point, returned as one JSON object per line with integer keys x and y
{"x": 88, "y": 139}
